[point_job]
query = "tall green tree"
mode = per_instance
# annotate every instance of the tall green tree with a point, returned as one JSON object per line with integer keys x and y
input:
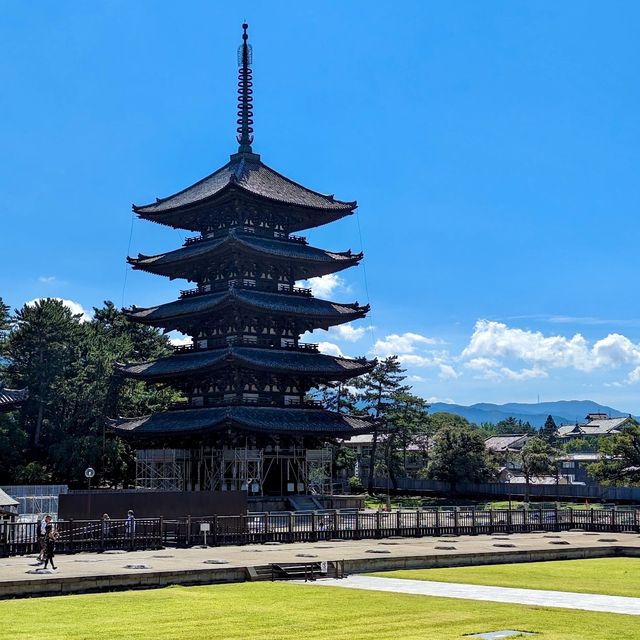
{"x": 44, "y": 354}
{"x": 620, "y": 461}
{"x": 537, "y": 458}
{"x": 376, "y": 393}
{"x": 549, "y": 430}
{"x": 406, "y": 422}
{"x": 459, "y": 455}
{"x": 513, "y": 425}
{"x": 68, "y": 366}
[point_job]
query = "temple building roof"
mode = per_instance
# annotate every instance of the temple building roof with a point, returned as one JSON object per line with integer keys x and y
{"x": 246, "y": 173}
{"x": 11, "y": 399}
{"x": 277, "y": 360}
{"x": 173, "y": 314}
{"x": 254, "y": 419}
{"x": 187, "y": 262}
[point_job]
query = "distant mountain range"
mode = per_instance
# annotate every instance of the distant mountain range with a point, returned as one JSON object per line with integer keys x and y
{"x": 563, "y": 411}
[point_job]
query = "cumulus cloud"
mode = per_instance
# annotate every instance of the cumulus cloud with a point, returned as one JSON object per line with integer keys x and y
{"x": 634, "y": 376}
{"x": 330, "y": 349}
{"x": 496, "y": 340}
{"x": 348, "y": 332}
{"x": 406, "y": 343}
{"x": 178, "y": 339}
{"x": 75, "y": 307}
{"x": 47, "y": 279}
{"x": 325, "y": 286}
{"x": 494, "y": 344}
{"x": 447, "y": 372}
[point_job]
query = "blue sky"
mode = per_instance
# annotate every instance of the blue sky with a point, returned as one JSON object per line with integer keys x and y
{"x": 493, "y": 148}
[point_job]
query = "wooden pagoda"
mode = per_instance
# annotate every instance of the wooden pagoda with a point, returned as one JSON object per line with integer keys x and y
{"x": 247, "y": 422}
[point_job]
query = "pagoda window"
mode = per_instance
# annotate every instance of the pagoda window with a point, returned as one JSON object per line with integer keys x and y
{"x": 197, "y": 401}
{"x": 250, "y": 339}
{"x": 250, "y": 398}
{"x": 292, "y": 400}
{"x": 229, "y": 397}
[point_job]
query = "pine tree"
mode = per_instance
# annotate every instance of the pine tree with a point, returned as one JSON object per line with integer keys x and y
{"x": 377, "y": 391}
{"x": 549, "y": 430}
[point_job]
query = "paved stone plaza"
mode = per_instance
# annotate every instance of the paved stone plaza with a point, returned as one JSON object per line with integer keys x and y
{"x": 112, "y": 570}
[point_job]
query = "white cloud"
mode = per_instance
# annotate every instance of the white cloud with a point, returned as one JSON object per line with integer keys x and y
{"x": 480, "y": 364}
{"x": 522, "y": 374}
{"x": 178, "y": 339}
{"x": 615, "y": 350}
{"x": 75, "y": 307}
{"x": 435, "y": 399}
{"x": 348, "y": 332}
{"x": 325, "y": 286}
{"x": 47, "y": 279}
{"x": 634, "y": 376}
{"x": 406, "y": 343}
{"x": 493, "y": 345}
{"x": 330, "y": 349}
{"x": 447, "y": 372}
{"x": 496, "y": 340}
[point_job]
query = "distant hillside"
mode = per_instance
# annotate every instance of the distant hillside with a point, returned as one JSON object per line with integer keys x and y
{"x": 563, "y": 411}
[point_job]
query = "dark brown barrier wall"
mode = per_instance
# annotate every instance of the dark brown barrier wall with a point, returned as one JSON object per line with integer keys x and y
{"x": 90, "y": 505}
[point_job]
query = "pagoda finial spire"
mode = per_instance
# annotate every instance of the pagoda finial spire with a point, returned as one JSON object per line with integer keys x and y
{"x": 245, "y": 94}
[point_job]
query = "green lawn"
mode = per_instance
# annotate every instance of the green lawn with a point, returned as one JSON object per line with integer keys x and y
{"x": 278, "y": 611}
{"x": 610, "y": 576}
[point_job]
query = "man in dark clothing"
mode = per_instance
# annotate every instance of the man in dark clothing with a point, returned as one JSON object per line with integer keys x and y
{"x": 51, "y": 536}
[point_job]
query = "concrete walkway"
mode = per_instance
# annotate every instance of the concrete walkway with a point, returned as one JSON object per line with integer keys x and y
{"x": 108, "y": 571}
{"x": 560, "y": 599}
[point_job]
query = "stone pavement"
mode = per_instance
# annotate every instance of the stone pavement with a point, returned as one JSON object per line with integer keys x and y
{"x": 105, "y": 571}
{"x": 536, "y": 597}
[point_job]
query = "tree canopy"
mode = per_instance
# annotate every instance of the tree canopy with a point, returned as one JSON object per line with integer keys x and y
{"x": 459, "y": 455}
{"x": 68, "y": 366}
{"x": 620, "y": 462}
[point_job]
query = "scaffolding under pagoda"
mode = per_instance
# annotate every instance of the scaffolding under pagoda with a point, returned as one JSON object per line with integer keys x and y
{"x": 247, "y": 422}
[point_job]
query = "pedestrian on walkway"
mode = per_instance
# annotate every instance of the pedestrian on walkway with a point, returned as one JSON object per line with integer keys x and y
{"x": 42, "y": 535}
{"x": 50, "y": 545}
{"x": 130, "y": 524}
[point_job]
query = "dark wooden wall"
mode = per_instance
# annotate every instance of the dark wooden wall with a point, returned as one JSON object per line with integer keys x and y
{"x": 90, "y": 505}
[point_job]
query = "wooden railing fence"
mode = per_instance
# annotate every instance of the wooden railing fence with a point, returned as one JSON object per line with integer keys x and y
{"x": 286, "y": 527}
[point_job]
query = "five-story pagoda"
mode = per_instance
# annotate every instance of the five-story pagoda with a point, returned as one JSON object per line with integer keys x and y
{"x": 247, "y": 422}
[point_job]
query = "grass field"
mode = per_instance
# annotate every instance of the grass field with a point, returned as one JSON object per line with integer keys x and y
{"x": 279, "y": 611}
{"x": 609, "y": 576}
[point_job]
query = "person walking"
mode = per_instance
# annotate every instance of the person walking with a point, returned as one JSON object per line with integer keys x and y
{"x": 51, "y": 536}
{"x": 42, "y": 535}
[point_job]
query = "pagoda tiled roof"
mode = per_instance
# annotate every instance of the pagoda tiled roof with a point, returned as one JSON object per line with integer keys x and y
{"x": 279, "y": 360}
{"x": 246, "y": 173}
{"x": 179, "y": 263}
{"x": 11, "y": 399}
{"x": 165, "y": 315}
{"x": 253, "y": 419}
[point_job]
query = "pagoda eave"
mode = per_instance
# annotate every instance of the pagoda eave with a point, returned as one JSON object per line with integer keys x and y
{"x": 196, "y": 258}
{"x": 322, "y": 313}
{"x": 196, "y": 216}
{"x": 267, "y": 420}
{"x": 310, "y": 364}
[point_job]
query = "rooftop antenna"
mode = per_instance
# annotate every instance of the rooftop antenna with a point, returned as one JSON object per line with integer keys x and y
{"x": 245, "y": 94}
